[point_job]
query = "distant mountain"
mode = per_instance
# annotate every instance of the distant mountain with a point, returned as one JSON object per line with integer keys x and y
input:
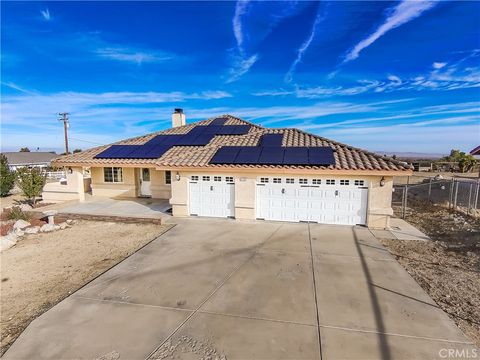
{"x": 411, "y": 155}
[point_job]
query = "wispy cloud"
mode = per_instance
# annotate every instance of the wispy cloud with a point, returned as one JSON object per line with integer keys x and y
{"x": 46, "y": 14}
{"x": 304, "y": 47}
{"x": 404, "y": 12}
{"x": 438, "y": 65}
{"x": 241, "y": 62}
{"x": 132, "y": 55}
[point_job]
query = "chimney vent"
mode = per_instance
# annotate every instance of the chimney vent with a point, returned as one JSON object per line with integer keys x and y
{"x": 178, "y": 118}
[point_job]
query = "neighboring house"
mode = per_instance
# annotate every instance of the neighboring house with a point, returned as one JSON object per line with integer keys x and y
{"x": 476, "y": 151}
{"x": 228, "y": 167}
{"x": 29, "y": 159}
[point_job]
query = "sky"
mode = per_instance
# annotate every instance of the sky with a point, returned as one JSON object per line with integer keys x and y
{"x": 396, "y": 76}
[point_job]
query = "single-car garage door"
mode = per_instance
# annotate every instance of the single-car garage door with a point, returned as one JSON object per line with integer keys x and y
{"x": 321, "y": 200}
{"x": 212, "y": 196}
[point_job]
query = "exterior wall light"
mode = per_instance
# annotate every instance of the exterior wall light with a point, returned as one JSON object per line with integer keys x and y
{"x": 382, "y": 181}
{"x": 177, "y": 176}
{"x": 70, "y": 170}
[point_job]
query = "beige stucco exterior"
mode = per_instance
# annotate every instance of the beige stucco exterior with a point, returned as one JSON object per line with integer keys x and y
{"x": 378, "y": 208}
{"x": 73, "y": 189}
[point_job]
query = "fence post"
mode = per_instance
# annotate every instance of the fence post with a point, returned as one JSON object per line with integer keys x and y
{"x": 429, "y": 189}
{"x": 406, "y": 201}
{"x": 456, "y": 197}
{"x": 450, "y": 195}
{"x": 470, "y": 198}
{"x": 476, "y": 195}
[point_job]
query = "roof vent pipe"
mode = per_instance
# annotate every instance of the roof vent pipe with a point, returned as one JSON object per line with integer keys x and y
{"x": 178, "y": 118}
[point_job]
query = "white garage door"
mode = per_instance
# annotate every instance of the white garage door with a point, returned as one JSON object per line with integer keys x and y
{"x": 212, "y": 196}
{"x": 328, "y": 201}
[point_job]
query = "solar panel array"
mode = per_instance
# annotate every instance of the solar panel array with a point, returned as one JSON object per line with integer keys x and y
{"x": 156, "y": 147}
{"x": 273, "y": 155}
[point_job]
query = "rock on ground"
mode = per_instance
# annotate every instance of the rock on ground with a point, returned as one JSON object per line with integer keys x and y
{"x": 6, "y": 242}
{"x": 21, "y": 224}
{"x": 32, "y": 230}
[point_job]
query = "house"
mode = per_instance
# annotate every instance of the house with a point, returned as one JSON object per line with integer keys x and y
{"x": 476, "y": 151}
{"x": 228, "y": 167}
{"x": 29, "y": 159}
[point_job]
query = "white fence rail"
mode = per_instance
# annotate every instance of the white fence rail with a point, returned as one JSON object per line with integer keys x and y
{"x": 55, "y": 174}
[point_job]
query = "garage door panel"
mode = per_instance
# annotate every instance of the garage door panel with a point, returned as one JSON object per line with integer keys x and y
{"x": 331, "y": 204}
{"x": 212, "y": 198}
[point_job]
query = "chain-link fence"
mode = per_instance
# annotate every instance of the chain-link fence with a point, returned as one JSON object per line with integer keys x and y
{"x": 456, "y": 194}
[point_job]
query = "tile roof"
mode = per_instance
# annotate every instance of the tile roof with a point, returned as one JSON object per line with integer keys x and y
{"x": 29, "y": 157}
{"x": 346, "y": 157}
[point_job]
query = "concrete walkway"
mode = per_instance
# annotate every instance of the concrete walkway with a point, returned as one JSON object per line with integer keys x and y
{"x": 248, "y": 290}
{"x": 134, "y": 207}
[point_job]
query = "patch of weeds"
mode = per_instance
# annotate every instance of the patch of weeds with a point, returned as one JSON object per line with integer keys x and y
{"x": 15, "y": 213}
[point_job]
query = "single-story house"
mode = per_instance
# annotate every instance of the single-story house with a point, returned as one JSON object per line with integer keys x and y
{"x": 29, "y": 159}
{"x": 229, "y": 167}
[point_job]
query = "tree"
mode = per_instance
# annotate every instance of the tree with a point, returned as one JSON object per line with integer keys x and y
{"x": 7, "y": 177}
{"x": 25, "y": 149}
{"x": 77, "y": 151}
{"x": 465, "y": 161}
{"x": 31, "y": 182}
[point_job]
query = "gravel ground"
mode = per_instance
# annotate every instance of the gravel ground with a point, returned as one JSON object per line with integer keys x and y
{"x": 448, "y": 267}
{"x": 43, "y": 269}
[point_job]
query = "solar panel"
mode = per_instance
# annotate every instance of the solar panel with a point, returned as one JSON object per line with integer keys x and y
{"x": 225, "y": 155}
{"x": 248, "y": 155}
{"x": 321, "y": 156}
{"x": 212, "y": 129}
{"x": 149, "y": 152}
{"x": 242, "y": 129}
{"x": 271, "y": 156}
{"x": 197, "y": 130}
{"x": 105, "y": 154}
{"x": 271, "y": 140}
{"x": 156, "y": 140}
{"x": 296, "y": 156}
{"x": 202, "y": 139}
{"x": 218, "y": 121}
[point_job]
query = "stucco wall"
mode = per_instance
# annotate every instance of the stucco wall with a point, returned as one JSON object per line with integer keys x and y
{"x": 74, "y": 189}
{"x": 159, "y": 189}
{"x": 378, "y": 208}
{"x": 127, "y": 188}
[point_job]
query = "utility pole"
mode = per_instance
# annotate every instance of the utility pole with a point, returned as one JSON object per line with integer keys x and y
{"x": 64, "y": 118}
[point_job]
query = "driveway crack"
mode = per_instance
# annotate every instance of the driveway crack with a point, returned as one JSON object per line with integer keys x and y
{"x": 315, "y": 293}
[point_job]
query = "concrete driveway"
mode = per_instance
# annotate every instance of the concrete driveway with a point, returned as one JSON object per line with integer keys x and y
{"x": 248, "y": 290}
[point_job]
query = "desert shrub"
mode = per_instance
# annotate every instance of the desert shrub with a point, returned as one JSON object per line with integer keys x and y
{"x": 7, "y": 177}
{"x": 15, "y": 213}
{"x": 31, "y": 182}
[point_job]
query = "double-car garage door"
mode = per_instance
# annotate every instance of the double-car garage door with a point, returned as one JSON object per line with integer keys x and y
{"x": 321, "y": 200}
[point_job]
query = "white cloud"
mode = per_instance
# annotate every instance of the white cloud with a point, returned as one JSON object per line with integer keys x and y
{"x": 46, "y": 14}
{"x": 303, "y": 48}
{"x": 240, "y": 10}
{"x": 132, "y": 55}
{"x": 406, "y": 11}
{"x": 240, "y": 67}
{"x": 438, "y": 65}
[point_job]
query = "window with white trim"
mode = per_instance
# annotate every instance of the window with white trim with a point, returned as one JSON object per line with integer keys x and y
{"x": 112, "y": 174}
{"x": 316, "y": 181}
{"x": 344, "y": 182}
{"x": 277, "y": 180}
{"x": 359, "y": 183}
{"x": 264, "y": 180}
{"x": 229, "y": 179}
{"x": 330, "y": 182}
{"x": 290, "y": 181}
{"x": 217, "y": 178}
{"x": 206, "y": 178}
{"x": 194, "y": 178}
{"x": 168, "y": 177}
{"x": 303, "y": 181}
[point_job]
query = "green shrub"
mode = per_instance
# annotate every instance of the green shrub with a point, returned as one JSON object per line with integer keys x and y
{"x": 7, "y": 177}
{"x": 15, "y": 213}
{"x": 31, "y": 182}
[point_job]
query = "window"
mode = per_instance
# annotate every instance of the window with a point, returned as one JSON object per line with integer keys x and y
{"x": 112, "y": 174}
{"x": 316, "y": 181}
{"x": 217, "y": 178}
{"x": 277, "y": 180}
{"x": 344, "y": 182}
{"x": 359, "y": 183}
{"x": 206, "y": 178}
{"x": 194, "y": 178}
{"x": 303, "y": 181}
{"x": 330, "y": 182}
{"x": 264, "y": 180}
{"x": 168, "y": 177}
{"x": 290, "y": 181}
{"x": 146, "y": 174}
{"x": 229, "y": 179}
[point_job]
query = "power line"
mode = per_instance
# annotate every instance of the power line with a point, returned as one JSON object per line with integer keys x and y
{"x": 90, "y": 142}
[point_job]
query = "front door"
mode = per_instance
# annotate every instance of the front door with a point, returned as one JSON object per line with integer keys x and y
{"x": 145, "y": 182}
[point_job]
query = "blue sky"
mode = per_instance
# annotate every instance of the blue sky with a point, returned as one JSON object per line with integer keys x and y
{"x": 399, "y": 76}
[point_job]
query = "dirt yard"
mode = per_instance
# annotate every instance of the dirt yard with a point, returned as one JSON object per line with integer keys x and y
{"x": 42, "y": 269}
{"x": 448, "y": 267}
